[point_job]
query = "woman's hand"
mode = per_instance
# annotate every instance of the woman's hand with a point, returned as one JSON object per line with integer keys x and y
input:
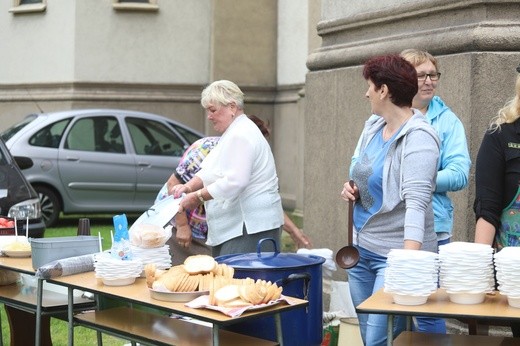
{"x": 300, "y": 239}
{"x": 189, "y": 201}
{"x": 297, "y": 235}
{"x": 171, "y": 183}
{"x": 350, "y": 191}
{"x": 178, "y": 190}
{"x": 183, "y": 235}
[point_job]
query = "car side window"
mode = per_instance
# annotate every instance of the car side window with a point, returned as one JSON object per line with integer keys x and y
{"x": 101, "y": 134}
{"x": 151, "y": 137}
{"x": 3, "y": 160}
{"x": 190, "y": 136}
{"x": 50, "y": 135}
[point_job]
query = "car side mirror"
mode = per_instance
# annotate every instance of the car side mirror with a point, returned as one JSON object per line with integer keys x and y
{"x": 23, "y": 162}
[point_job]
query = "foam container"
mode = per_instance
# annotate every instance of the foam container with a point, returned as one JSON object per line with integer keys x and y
{"x": 45, "y": 250}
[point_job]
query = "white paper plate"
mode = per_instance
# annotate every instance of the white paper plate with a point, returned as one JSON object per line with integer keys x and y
{"x": 514, "y": 301}
{"x": 466, "y": 297}
{"x": 409, "y": 299}
{"x": 11, "y": 253}
{"x": 118, "y": 282}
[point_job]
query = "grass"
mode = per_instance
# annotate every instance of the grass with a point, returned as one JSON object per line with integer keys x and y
{"x": 99, "y": 224}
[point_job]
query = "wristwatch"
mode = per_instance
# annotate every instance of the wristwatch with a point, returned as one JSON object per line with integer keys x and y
{"x": 199, "y": 196}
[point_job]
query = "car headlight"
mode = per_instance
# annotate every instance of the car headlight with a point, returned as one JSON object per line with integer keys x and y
{"x": 27, "y": 209}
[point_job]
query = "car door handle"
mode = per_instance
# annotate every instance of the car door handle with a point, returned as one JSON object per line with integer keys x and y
{"x": 72, "y": 158}
{"x": 143, "y": 164}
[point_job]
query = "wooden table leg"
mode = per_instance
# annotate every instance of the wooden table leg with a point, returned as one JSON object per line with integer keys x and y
{"x": 23, "y": 327}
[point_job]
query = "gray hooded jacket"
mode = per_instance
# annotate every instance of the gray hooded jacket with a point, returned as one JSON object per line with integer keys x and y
{"x": 409, "y": 175}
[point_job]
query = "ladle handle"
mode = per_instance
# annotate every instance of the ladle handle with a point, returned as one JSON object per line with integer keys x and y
{"x": 350, "y": 216}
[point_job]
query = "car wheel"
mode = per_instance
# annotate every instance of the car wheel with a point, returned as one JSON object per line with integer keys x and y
{"x": 50, "y": 205}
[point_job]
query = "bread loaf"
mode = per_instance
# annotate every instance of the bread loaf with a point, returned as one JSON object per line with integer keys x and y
{"x": 203, "y": 273}
{"x": 198, "y": 274}
{"x": 245, "y": 292}
{"x": 237, "y": 303}
{"x": 226, "y": 294}
{"x": 200, "y": 264}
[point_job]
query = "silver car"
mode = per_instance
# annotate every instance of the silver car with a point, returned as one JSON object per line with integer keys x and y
{"x": 98, "y": 160}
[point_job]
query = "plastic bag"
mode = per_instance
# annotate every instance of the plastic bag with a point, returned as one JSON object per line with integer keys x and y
{"x": 160, "y": 213}
{"x": 66, "y": 266}
{"x": 8, "y": 277}
{"x": 149, "y": 236}
{"x": 340, "y": 300}
{"x": 330, "y": 336}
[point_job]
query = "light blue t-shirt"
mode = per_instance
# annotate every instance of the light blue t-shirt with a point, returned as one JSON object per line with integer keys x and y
{"x": 368, "y": 174}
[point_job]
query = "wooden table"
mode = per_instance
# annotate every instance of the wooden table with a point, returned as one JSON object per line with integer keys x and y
{"x": 29, "y": 305}
{"x": 20, "y": 265}
{"x": 138, "y": 293}
{"x": 42, "y": 302}
{"x": 495, "y": 306}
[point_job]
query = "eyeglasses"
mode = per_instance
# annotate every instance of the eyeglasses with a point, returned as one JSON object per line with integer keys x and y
{"x": 433, "y": 76}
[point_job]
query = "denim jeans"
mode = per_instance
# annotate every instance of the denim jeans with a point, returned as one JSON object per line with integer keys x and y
{"x": 366, "y": 278}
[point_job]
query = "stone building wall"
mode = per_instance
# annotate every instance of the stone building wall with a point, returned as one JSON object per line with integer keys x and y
{"x": 478, "y": 47}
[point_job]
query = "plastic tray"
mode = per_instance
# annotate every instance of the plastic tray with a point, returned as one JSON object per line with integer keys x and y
{"x": 45, "y": 250}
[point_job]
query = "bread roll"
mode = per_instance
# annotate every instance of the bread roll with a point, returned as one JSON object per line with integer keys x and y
{"x": 246, "y": 292}
{"x": 200, "y": 264}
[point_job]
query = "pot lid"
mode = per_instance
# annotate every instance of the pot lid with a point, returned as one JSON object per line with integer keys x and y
{"x": 269, "y": 260}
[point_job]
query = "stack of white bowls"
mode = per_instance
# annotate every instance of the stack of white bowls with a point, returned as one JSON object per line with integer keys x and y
{"x": 160, "y": 256}
{"x": 466, "y": 271}
{"x": 411, "y": 276}
{"x": 114, "y": 271}
{"x": 507, "y": 264}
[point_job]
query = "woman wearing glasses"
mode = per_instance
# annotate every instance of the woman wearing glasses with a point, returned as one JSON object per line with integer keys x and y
{"x": 454, "y": 160}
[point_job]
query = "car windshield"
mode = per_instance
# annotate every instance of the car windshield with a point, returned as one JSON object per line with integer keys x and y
{"x": 11, "y": 131}
{"x": 153, "y": 138}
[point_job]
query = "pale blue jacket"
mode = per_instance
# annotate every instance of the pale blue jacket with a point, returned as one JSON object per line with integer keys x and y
{"x": 454, "y": 163}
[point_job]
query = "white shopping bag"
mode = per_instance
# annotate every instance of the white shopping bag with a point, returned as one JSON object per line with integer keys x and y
{"x": 160, "y": 213}
{"x": 340, "y": 301}
{"x": 328, "y": 267}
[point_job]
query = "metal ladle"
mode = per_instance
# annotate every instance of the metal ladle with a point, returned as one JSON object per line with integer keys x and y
{"x": 348, "y": 256}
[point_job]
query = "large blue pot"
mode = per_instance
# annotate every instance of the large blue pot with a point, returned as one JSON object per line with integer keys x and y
{"x": 300, "y": 276}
